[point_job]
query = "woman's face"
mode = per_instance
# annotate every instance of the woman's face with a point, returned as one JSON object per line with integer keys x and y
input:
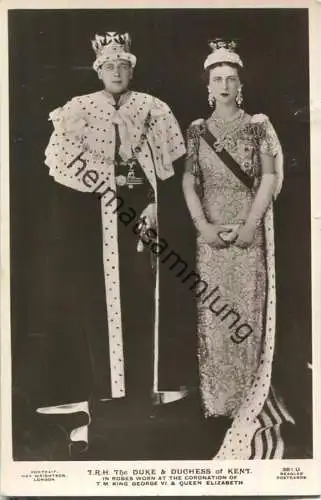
{"x": 116, "y": 75}
{"x": 224, "y": 83}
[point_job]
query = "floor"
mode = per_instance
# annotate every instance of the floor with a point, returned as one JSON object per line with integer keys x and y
{"x": 119, "y": 431}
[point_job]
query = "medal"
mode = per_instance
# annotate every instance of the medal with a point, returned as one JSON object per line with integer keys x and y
{"x": 132, "y": 180}
{"x": 121, "y": 180}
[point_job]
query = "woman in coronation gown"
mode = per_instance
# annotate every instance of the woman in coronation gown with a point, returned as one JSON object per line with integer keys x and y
{"x": 234, "y": 170}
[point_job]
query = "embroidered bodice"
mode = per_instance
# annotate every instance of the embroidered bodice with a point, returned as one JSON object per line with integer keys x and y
{"x": 245, "y": 138}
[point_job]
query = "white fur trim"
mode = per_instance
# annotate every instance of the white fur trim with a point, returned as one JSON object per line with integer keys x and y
{"x": 64, "y": 408}
{"x": 259, "y": 118}
{"x": 108, "y": 56}
{"x": 223, "y": 56}
{"x": 198, "y": 121}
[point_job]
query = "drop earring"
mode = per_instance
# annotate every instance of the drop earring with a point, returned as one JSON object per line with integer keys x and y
{"x": 239, "y": 97}
{"x": 211, "y": 98}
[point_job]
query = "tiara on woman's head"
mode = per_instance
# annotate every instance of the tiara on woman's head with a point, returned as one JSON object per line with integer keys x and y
{"x": 223, "y": 51}
{"x": 220, "y": 43}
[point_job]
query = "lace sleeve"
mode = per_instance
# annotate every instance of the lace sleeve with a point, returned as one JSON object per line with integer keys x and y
{"x": 192, "y": 165}
{"x": 192, "y": 146}
{"x": 193, "y": 139}
{"x": 269, "y": 144}
{"x": 190, "y": 143}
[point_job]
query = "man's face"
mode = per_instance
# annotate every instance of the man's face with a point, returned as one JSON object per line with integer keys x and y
{"x": 116, "y": 75}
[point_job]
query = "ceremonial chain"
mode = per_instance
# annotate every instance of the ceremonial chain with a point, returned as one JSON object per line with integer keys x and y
{"x": 131, "y": 180}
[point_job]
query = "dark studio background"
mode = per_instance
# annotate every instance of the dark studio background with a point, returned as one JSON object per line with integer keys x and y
{"x": 55, "y": 231}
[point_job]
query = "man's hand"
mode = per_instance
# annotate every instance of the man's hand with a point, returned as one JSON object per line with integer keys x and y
{"x": 149, "y": 215}
{"x": 149, "y": 221}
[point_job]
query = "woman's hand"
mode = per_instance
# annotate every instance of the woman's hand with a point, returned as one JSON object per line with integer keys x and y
{"x": 245, "y": 236}
{"x": 229, "y": 232}
{"x": 210, "y": 234}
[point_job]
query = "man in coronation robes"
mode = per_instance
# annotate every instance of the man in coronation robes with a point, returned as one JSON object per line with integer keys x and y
{"x": 120, "y": 145}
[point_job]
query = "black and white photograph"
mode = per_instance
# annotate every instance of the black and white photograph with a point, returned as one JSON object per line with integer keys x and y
{"x": 160, "y": 236}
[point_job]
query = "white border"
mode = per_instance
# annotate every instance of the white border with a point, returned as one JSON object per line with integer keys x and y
{"x": 262, "y": 479}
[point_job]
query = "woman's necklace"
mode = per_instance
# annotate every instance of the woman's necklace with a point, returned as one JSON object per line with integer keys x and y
{"x": 226, "y": 128}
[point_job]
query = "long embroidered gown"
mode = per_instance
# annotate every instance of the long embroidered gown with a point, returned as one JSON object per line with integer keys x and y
{"x": 236, "y": 322}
